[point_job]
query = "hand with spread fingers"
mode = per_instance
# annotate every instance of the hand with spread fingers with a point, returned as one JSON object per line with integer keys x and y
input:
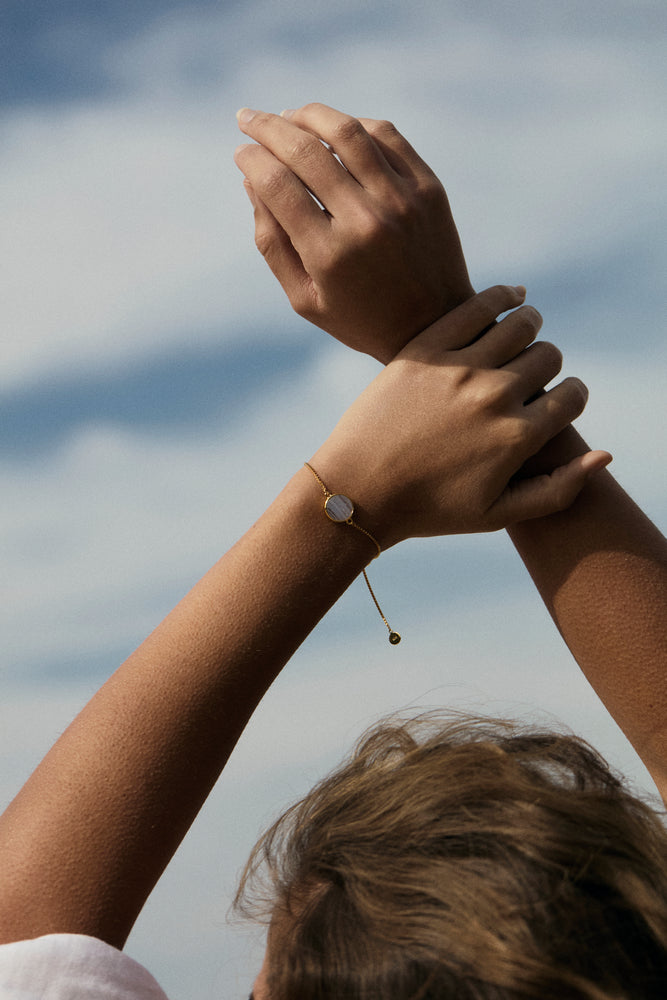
{"x": 354, "y": 225}
{"x": 433, "y": 444}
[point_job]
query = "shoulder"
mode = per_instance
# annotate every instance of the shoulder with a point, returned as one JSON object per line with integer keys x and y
{"x": 72, "y": 967}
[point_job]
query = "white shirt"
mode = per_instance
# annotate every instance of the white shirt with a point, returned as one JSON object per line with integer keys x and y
{"x": 72, "y": 967}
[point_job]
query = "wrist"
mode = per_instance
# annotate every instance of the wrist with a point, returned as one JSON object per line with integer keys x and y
{"x": 340, "y": 510}
{"x": 357, "y": 475}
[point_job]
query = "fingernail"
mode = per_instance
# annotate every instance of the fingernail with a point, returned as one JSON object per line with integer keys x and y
{"x": 287, "y": 113}
{"x": 245, "y": 115}
{"x": 521, "y": 289}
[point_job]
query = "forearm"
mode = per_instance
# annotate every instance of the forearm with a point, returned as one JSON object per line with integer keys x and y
{"x": 601, "y": 568}
{"x": 157, "y": 735}
{"x": 85, "y": 841}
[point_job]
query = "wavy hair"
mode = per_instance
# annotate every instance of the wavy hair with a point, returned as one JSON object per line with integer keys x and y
{"x": 464, "y": 859}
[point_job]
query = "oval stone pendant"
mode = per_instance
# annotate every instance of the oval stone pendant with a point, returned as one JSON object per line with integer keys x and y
{"x": 338, "y": 508}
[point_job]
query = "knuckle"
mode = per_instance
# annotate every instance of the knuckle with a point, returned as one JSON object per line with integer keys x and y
{"x": 560, "y": 494}
{"x": 497, "y": 299}
{"x": 519, "y": 436}
{"x": 502, "y": 292}
{"x": 311, "y": 108}
{"x": 431, "y": 192}
{"x": 529, "y": 316}
{"x": 398, "y": 209}
{"x": 347, "y": 130}
{"x": 578, "y": 392}
{"x": 303, "y": 301}
{"x": 398, "y": 214}
{"x": 524, "y": 324}
{"x": 550, "y": 354}
{"x": 494, "y": 390}
{"x": 263, "y": 241}
{"x": 382, "y": 128}
{"x": 304, "y": 148}
{"x": 369, "y": 226}
{"x": 274, "y": 182}
{"x": 466, "y": 381}
{"x": 302, "y": 306}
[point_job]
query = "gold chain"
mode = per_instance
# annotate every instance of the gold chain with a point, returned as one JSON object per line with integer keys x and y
{"x": 394, "y": 637}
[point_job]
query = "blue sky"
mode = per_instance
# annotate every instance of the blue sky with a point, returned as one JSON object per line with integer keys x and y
{"x": 156, "y": 391}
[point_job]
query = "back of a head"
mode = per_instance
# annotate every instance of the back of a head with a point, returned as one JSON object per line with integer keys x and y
{"x": 466, "y": 859}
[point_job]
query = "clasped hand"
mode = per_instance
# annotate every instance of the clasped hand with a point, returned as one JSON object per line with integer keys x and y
{"x": 358, "y": 231}
{"x": 434, "y": 443}
{"x": 376, "y": 257}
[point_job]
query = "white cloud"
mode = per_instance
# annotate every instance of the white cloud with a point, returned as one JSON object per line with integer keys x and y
{"x": 131, "y": 517}
{"x": 118, "y": 226}
{"x": 126, "y": 226}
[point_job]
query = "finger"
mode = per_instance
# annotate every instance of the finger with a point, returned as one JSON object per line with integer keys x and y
{"x": 547, "y": 494}
{"x": 396, "y": 149}
{"x": 506, "y": 340}
{"x": 534, "y": 368}
{"x": 464, "y": 325}
{"x": 303, "y": 153}
{"x": 552, "y": 411}
{"x": 276, "y": 247}
{"x": 284, "y": 195}
{"x": 362, "y": 157}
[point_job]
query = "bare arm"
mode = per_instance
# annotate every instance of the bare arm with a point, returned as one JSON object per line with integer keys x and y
{"x": 600, "y": 565}
{"x": 83, "y": 844}
{"x": 601, "y": 569}
{"x": 90, "y": 833}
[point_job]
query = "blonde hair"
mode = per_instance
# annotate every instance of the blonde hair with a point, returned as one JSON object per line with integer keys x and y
{"x": 467, "y": 859}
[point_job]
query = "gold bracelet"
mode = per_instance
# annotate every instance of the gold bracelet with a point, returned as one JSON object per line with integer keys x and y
{"x": 340, "y": 509}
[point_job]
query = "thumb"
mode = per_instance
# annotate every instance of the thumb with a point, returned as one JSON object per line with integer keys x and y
{"x": 547, "y": 494}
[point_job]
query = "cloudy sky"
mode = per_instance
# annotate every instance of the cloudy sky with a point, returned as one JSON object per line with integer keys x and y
{"x": 156, "y": 391}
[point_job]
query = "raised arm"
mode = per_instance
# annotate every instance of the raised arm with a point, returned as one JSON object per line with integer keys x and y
{"x": 600, "y": 566}
{"x": 87, "y": 838}
{"x": 601, "y": 569}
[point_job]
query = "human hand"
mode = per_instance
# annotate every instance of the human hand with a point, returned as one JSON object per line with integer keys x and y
{"x": 432, "y": 445}
{"x": 379, "y": 258}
